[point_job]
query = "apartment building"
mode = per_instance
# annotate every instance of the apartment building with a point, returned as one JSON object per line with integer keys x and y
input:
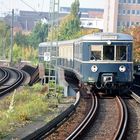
{"x": 119, "y": 14}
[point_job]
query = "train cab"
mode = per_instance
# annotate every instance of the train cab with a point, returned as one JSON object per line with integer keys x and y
{"x": 105, "y": 59}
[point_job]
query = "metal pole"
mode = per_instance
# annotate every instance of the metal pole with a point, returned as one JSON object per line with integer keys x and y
{"x": 11, "y": 46}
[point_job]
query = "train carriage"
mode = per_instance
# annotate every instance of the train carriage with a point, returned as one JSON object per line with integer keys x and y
{"x": 103, "y": 60}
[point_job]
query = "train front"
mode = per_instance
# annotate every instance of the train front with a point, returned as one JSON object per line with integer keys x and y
{"x": 107, "y": 60}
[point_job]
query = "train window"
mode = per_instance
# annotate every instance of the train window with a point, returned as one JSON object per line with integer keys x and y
{"x": 108, "y": 52}
{"x": 96, "y": 52}
{"x": 120, "y": 52}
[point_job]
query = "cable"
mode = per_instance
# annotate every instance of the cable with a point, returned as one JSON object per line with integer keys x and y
{"x": 28, "y": 5}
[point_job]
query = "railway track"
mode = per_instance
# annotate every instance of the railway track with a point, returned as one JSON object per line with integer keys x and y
{"x": 83, "y": 125}
{"x": 15, "y": 79}
{"x": 110, "y": 122}
{"x": 134, "y": 96}
{"x": 74, "y": 122}
{"x": 133, "y": 128}
{"x": 133, "y": 105}
{"x": 4, "y": 76}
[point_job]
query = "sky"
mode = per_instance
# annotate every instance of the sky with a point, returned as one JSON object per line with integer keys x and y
{"x": 43, "y": 5}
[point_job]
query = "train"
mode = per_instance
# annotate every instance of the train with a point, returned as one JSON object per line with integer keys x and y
{"x": 101, "y": 60}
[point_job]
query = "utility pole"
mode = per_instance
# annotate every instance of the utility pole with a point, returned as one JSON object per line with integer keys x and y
{"x": 11, "y": 46}
{"x": 53, "y": 47}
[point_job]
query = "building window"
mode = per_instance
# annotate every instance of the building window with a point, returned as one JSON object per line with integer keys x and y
{"x": 138, "y": 12}
{"x": 138, "y": 1}
{"x": 132, "y": 23}
{"x": 124, "y": 1}
{"x": 128, "y": 23}
{"x": 134, "y": 1}
{"x": 133, "y": 12}
{"x": 129, "y": 1}
{"x": 128, "y": 12}
{"x": 119, "y": 23}
{"x": 123, "y": 23}
{"x": 123, "y": 12}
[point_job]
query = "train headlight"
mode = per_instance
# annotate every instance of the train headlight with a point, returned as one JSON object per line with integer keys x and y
{"x": 94, "y": 68}
{"x": 122, "y": 68}
{"x": 108, "y": 42}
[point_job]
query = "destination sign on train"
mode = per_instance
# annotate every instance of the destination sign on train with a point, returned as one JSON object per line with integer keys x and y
{"x": 111, "y": 37}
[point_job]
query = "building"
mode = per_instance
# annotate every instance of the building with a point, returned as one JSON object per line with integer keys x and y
{"x": 119, "y": 14}
{"x": 110, "y": 16}
{"x": 92, "y": 19}
{"x": 93, "y": 23}
{"x": 26, "y": 20}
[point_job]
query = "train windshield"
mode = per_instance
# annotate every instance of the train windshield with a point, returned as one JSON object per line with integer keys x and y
{"x": 108, "y": 53}
{"x": 120, "y": 52}
{"x": 96, "y": 51}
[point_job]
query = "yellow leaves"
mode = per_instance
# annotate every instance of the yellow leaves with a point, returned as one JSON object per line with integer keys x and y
{"x": 135, "y": 32}
{"x": 24, "y": 53}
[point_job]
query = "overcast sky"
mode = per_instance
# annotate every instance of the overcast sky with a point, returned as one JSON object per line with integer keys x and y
{"x": 43, "y": 5}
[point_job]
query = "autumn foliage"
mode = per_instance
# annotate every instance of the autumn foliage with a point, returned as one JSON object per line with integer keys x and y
{"x": 135, "y": 32}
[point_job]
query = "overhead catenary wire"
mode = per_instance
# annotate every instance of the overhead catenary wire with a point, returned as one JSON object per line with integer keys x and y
{"x": 28, "y": 5}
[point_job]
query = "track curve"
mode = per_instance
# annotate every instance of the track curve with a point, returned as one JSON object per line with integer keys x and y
{"x": 16, "y": 78}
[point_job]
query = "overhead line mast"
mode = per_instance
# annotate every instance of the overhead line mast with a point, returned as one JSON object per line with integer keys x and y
{"x": 53, "y": 47}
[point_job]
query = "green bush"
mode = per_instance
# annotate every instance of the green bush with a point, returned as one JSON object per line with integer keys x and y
{"x": 26, "y": 106}
{"x": 37, "y": 87}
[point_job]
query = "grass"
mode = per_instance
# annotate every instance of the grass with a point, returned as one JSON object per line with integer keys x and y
{"x": 23, "y": 106}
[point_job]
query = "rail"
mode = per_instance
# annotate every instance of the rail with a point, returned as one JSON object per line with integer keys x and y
{"x": 5, "y": 77}
{"x": 86, "y": 121}
{"x": 123, "y": 121}
{"x": 135, "y": 96}
{"x": 18, "y": 81}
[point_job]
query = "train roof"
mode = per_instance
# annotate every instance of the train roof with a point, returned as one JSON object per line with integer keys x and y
{"x": 44, "y": 44}
{"x": 93, "y": 37}
{"x": 107, "y": 36}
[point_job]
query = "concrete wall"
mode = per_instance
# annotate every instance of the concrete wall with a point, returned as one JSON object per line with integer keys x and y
{"x": 110, "y": 16}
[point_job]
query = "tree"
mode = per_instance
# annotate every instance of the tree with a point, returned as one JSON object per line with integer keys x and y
{"x": 76, "y": 15}
{"x": 21, "y": 39}
{"x": 69, "y": 27}
{"x": 75, "y": 8}
{"x": 135, "y": 32}
{"x": 4, "y": 38}
{"x": 39, "y": 34}
{"x": 17, "y": 53}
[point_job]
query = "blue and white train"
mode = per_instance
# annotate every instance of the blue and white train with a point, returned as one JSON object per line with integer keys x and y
{"x": 103, "y": 60}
